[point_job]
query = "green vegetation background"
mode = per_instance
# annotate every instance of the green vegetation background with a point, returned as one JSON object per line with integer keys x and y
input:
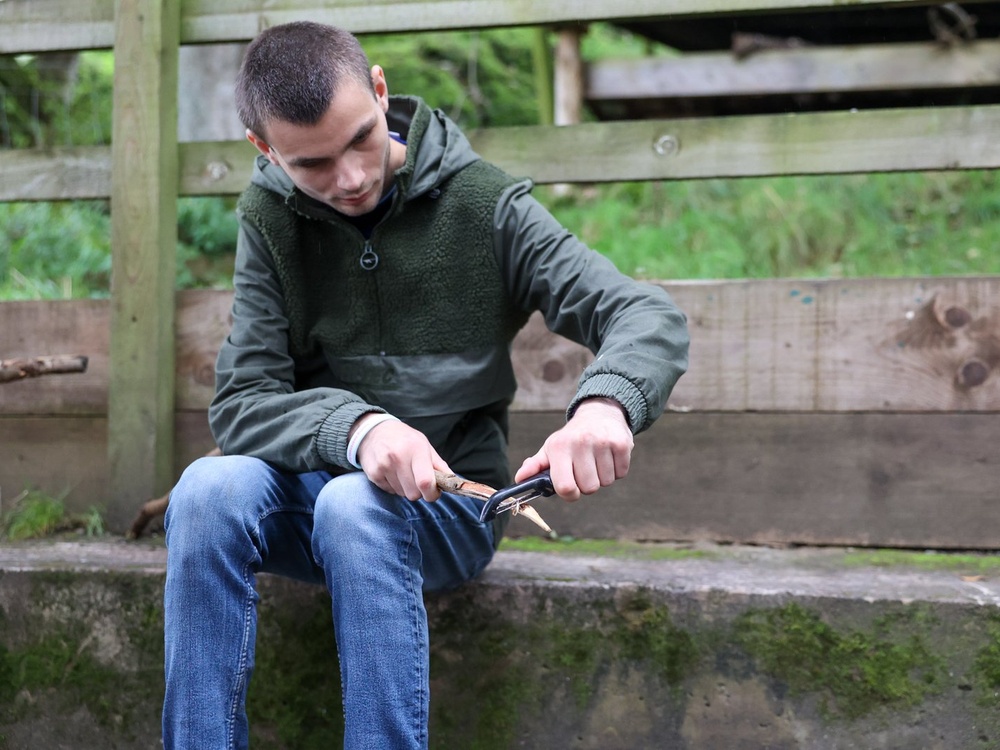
{"x": 830, "y": 226}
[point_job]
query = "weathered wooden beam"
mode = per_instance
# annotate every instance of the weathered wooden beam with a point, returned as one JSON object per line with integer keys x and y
{"x": 820, "y": 143}
{"x": 808, "y": 70}
{"x": 143, "y": 241}
{"x": 40, "y": 25}
{"x": 906, "y": 480}
{"x": 55, "y": 174}
{"x": 27, "y": 327}
{"x": 849, "y": 345}
{"x": 755, "y": 146}
{"x": 910, "y": 480}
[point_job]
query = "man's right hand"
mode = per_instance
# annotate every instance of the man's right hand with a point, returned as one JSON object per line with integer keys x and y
{"x": 400, "y": 460}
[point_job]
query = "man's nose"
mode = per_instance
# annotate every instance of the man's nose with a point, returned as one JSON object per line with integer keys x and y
{"x": 350, "y": 176}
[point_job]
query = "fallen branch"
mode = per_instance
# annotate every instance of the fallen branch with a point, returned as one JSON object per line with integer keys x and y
{"x": 19, "y": 369}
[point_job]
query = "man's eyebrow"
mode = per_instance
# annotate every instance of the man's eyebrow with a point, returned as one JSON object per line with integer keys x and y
{"x": 363, "y": 131}
{"x": 307, "y": 161}
{"x": 311, "y": 161}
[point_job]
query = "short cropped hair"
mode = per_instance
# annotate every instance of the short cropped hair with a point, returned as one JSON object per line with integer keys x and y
{"x": 292, "y": 71}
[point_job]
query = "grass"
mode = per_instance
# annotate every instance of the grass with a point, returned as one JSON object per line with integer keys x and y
{"x": 35, "y": 514}
{"x": 850, "y": 226}
{"x": 952, "y": 561}
{"x": 566, "y": 545}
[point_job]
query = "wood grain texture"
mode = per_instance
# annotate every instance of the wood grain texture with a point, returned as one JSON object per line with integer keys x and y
{"x": 807, "y": 70}
{"x": 908, "y": 480}
{"x": 896, "y": 140}
{"x": 78, "y": 326}
{"x": 850, "y": 345}
{"x": 143, "y": 241}
{"x": 42, "y": 25}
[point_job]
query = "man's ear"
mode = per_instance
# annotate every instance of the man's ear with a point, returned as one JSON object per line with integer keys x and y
{"x": 381, "y": 87}
{"x": 261, "y": 145}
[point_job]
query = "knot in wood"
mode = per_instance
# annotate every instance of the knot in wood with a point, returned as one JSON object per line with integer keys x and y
{"x": 957, "y": 317}
{"x": 972, "y": 373}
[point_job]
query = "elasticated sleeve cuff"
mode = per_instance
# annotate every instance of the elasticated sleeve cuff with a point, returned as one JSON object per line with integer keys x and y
{"x": 622, "y": 390}
{"x": 332, "y": 436}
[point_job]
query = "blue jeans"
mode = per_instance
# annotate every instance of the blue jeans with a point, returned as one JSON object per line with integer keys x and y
{"x": 232, "y": 517}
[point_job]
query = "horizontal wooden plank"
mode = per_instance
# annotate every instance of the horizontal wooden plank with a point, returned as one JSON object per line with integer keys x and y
{"x": 909, "y": 480}
{"x": 806, "y": 70}
{"x": 80, "y": 475}
{"x": 39, "y": 25}
{"x": 872, "y": 345}
{"x": 55, "y": 174}
{"x": 753, "y": 146}
{"x": 45, "y": 25}
{"x": 892, "y": 345}
{"x": 76, "y": 327}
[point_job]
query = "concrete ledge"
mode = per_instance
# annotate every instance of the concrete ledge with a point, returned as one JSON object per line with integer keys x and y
{"x": 640, "y": 646}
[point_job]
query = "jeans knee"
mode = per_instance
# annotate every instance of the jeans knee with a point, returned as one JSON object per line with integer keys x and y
{"x": 352, "y": 510}
{"x": 211, "y": 493}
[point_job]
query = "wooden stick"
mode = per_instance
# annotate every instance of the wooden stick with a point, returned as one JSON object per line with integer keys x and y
{"x": 18, "y": 369}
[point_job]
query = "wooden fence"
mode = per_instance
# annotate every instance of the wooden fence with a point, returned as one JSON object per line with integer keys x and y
{"x": 831, "y": 412}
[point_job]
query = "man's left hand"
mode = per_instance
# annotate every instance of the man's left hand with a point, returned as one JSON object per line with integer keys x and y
{"x": 591, "y": 451}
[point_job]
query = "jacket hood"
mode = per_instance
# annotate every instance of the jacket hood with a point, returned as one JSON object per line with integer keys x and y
{"x": 435, "y": 150}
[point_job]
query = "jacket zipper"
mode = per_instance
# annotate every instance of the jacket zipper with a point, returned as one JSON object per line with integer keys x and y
{"x": 369, "y": 258}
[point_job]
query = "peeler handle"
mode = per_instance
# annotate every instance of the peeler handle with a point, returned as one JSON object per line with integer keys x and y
{"x": 539, "y": 485}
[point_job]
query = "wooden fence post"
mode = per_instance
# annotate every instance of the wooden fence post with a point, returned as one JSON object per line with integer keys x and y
{"x": 143, "y": 239}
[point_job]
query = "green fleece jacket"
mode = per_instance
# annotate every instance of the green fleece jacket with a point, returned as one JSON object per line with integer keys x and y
{"x": 465, "y": 254}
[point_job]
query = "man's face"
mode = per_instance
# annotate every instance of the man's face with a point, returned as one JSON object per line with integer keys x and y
{"x": 347, "y": 159}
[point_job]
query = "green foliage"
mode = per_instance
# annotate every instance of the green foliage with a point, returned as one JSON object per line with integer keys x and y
{"x": 206, "y": 246}
{"x": 54, "y": 250}
{"x": 932, "y": 224}
{"x": 35, "y": 514}
{"x": 58, "y": 99}
{"x": 480, "y": 78}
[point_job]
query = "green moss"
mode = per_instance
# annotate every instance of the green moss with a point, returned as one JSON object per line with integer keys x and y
{"x": 499, "y": 672}
{"x": 987, "y": 664}
{"x": 63, "y": 664}
{"x": 885, "y": 558}
{"x": 854, "y": 671}
{"x": 648, "y": 633}
{"x": 601, "y": 548}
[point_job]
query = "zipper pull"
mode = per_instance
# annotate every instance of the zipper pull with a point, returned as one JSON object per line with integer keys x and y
{"x": 369, "y": 258}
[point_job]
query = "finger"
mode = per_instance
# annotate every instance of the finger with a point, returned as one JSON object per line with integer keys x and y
{"x": 587, "y": 474}
{"x": 562, "y": 470}
{"x": 532, "y": 465}
{"x": 623, "y": 462}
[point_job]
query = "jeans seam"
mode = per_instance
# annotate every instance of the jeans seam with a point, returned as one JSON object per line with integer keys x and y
{"x": 234, "y": 702}
{"x": 420, "y": 714}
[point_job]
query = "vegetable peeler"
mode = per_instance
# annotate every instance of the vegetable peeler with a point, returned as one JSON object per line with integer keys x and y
{"x": 516, "y": 495}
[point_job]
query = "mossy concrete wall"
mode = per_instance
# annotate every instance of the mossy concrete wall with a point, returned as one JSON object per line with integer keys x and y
{"x": 651, "y": 648}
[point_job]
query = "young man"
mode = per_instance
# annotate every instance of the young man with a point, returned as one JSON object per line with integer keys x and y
{"x": 382, "y": 272}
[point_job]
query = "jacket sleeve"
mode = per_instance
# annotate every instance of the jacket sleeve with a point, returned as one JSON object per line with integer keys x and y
{"x": 638, "y": 335}
{"x": 257, "y": 410}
